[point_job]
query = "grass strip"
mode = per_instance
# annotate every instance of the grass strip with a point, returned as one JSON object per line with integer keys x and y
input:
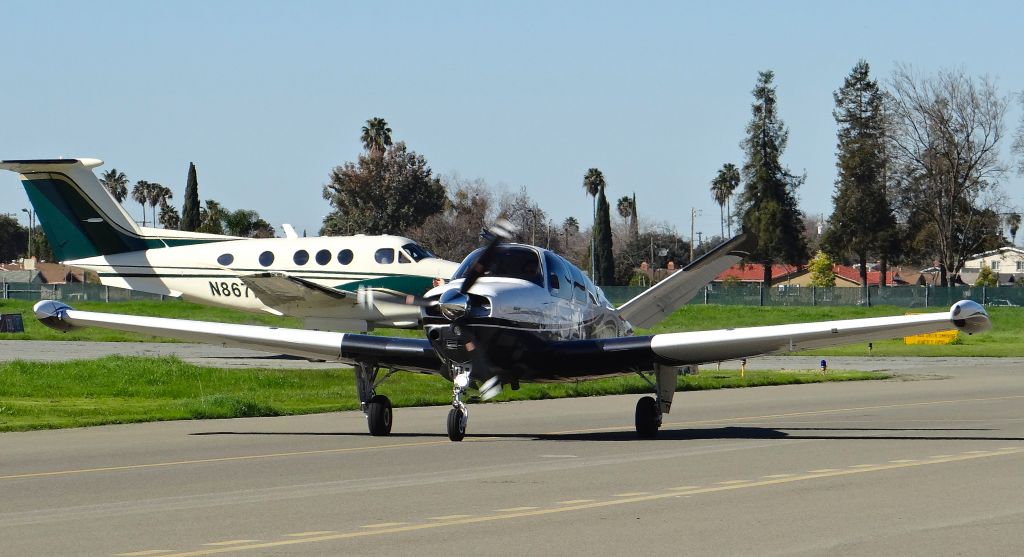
{"x": 126, "y": 389}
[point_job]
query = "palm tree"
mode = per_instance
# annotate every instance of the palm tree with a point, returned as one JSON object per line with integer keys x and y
{"x": 140, "y": 195}
{"x": 376, "y": 136}
{"x": 169, "y": 217}
{"x": 722, "y": 188}
{"x": 116, "y": 183}
{"x": 593, "y": 183}
{"x": 625, "y": 207}
{"x": 211, "y": 218}
{"x": 158, "y": 194}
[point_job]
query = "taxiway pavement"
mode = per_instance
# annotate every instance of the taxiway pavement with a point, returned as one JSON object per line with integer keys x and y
{"x": 930, "y": 463}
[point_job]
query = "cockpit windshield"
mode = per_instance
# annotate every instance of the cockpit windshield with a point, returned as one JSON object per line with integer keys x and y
{"x": 508, "y": 261}
{"x": 416, "y": 251}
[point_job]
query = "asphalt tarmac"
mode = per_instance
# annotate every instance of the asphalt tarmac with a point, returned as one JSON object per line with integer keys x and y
{"x": 930, "y": 463}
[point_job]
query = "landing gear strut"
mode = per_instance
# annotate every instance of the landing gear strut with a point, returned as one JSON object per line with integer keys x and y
{"x": 377, "y": 408}
{"x": 650, "y": 410}
{"x": 458, "y": 416}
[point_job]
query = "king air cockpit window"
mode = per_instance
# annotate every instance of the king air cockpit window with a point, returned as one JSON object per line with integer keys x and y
{"x": 416, "y": 251}
{"x": 509, "y": 262}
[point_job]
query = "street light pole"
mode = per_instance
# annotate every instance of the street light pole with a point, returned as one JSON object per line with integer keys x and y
{"x": 31, "y": 229}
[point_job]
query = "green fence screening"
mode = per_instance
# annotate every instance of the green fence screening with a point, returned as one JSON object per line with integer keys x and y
{"x": 787, "y": 295}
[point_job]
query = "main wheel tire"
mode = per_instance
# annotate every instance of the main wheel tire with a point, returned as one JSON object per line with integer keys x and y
{"x": 378, "y": 415}
{"x": 647, "y": 419}
{"x": 456, "y": 425}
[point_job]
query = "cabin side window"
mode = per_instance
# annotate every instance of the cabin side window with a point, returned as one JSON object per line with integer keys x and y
{"x": 226, "y": 259}
{"x": 384, "y": 256}
{"x": 323, "y": 257}
{"x": 579, "y": 287}
{"x": 301, "y": 257}
{"x": 267, "y": 258}
{"x": 345, "y": 256}
{"x": 558, "y": 285}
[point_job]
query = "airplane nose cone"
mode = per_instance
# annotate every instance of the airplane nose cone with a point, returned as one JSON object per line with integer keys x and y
{"x": 453, "y": 304}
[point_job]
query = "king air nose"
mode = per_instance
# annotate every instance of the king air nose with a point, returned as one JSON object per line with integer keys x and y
{"x": 454, "y": 304}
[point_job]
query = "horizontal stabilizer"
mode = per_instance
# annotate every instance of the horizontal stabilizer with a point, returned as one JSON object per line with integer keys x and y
{"x": 657, "y": 302}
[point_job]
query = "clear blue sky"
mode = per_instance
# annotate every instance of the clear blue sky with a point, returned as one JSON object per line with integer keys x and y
{"x": 267, "y": 97}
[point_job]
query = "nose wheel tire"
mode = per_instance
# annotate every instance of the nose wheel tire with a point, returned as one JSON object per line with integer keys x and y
{"x": 648, "y": 419}
{"x": 378, "y": 415}
{"x": 456, "y": 425}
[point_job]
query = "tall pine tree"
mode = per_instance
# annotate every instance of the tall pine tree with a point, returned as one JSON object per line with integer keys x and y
{"x": 863, "y": 222}
{"x": 768, "y": 202}
{"x": 190, "y": 220}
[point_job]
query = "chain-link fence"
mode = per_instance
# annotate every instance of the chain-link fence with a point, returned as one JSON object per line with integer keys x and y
{"x": 787, "y": 295}
{"x": 743, "y": 294}
{"x": 75, "y": 291}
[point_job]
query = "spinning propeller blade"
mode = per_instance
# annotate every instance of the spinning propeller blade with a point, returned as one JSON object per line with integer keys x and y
{"x": 500, "y": 232}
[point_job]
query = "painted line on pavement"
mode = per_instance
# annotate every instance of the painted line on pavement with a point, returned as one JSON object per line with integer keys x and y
{"x": 529, "y": 512}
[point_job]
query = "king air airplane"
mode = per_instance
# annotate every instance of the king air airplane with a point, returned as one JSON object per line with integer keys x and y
{"x": 516, "y": 313}
{"x": 317, "y": 279}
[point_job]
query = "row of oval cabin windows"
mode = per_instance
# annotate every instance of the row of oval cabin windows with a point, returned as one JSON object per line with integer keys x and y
{"x": 322, "y": 257}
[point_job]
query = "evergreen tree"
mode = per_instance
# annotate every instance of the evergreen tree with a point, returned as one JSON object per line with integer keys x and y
{"x": 13, "y": 239}
{"x": 190, "y": 220}
{"x": 768, "y": 202}
{"x": 604, "y": 262}
{"x": 862, "y": 222}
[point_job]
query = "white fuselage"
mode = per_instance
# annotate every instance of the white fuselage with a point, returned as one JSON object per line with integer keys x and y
{"x": 209, "y": 273}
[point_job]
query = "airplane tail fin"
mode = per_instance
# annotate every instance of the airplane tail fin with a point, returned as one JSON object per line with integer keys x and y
{"x": 81, "y": 218}
{"x": 660, "y": 300}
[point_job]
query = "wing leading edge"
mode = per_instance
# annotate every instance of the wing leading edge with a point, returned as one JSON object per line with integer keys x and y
{"x": 581, "y": 359}
{"x": 406, "y": 353}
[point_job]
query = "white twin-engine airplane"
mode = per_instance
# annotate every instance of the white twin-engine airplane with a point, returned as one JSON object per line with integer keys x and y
{"x": 318, "y": 279}
{"x": 517, "y": 313}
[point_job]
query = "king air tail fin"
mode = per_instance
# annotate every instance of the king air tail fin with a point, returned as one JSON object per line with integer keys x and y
{"x": 660, "y": 300}
{"x": 81, "y": 218}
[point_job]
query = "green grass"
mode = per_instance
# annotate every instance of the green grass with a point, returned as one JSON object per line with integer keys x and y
{"x": 121, "y": 389}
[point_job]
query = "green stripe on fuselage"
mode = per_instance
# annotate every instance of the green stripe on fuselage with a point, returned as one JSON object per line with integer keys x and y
{"x": 409, "y": 284}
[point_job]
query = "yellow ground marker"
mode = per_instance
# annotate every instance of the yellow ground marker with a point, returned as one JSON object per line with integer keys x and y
{"x": 575, "y": 501}
{"x": 450, "y": 517}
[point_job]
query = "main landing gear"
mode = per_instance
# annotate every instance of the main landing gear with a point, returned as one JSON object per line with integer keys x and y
{"x": 649, "y": 410}
{"x": 377, "y": 408}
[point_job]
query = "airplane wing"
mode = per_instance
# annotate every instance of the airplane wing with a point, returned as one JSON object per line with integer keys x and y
{"x": 597, "y": 357}
{"x": 552, "y": 362}
{"x": 662, "y": 299}
{"x": 279, "y": 290}
{"x": 405, "y": 353}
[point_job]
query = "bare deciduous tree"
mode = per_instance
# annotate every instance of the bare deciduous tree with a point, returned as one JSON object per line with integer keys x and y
{"x": 946, "y": 131}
